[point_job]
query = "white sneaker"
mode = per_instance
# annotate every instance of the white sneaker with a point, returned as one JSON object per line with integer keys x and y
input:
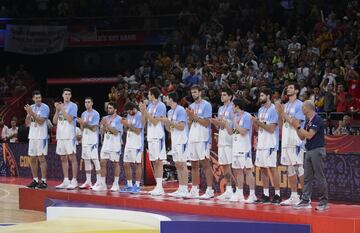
{"x": 100, "y": 187}
{"x": 97, "y": 183}
{"x": 194, "y": 193}
{"x": 115, "y": 188}
{"x": 86, "y": 185}
{"x": 251, "y": 199}
{"x": 209, "y": 193}
{"x": 183, "y": 193}
{"x": 237, "y": 197}
{"x": 157, "y": 191}
{"x": 73, "y": 185}
{"x": 63, "y": 185}
{"x": 173, "y": 194}
{"x": 293, "y": 200}
{"x": 226, "y": 195}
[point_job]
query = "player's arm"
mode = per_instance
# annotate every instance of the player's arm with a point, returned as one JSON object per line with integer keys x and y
{"x": 242, "y": 131}
{"x": 202, "y": 121}
{"x": 113, "y": 130}
{"x": 268, "y": 127}
{"x": 215, "y": 121}
{"x": 68, "y": 117}
{"x": 85, "y": 125}
{"x": 304, "y": 134}
{"x": 28, "y": 120}
{"x": 151, "y": 119}
{"x": 56, "y": 117}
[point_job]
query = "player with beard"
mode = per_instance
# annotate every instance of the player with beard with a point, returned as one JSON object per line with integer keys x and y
{"x": 134, "y": 147}
{"x": 199, "y": 114}
{"x": 266, "y": 124}
{"x": 292, "y": 147}
{"x": 36, "y": 119}
{"x": 111, "y": 128}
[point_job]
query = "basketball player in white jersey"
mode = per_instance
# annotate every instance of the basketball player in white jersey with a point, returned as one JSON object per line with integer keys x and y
{"x": 176, "y": 124}
{"x": 134, "y": 147}
{"x": 241, "y": 153}
{"x": 199, "y": 114}
{"x": 111, "y": 128}
{"x": 89, "y": 124}
{"x": 266, "y": 123}
{"x": 292, "y": 147}
{"x": 155, "y": 135}
{"x": 36, "y": 118}
{"x": 65, "y": 121}
{"x": 223, "y": 119}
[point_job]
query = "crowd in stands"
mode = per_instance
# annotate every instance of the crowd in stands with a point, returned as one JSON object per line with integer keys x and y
{"x": 243, "y": 45}
{"x": 317, "y": 49}
{"x": 12, "y": 81}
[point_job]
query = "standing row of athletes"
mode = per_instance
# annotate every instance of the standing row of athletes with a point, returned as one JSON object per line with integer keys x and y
{"x": 190, "y": 131}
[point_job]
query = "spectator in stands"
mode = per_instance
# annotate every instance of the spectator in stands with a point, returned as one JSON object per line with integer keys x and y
{"x": 344, "y": 127}
{"x": 113, "y": 95}
{"x": 3, "y": 131}
{"x": 351, "y": 104}
{"x": 3, "y": 87}
{"x": 23, "y": 133}
{"x": 21, "y": 73}
{"x": 13, "y": 131}
{"x": 329, "y": 99}
{"x": 341, "y": 98}
{"x": 192, "y": 78}
{"x": 20, "y": 88}
{"x": 328, "y": 128}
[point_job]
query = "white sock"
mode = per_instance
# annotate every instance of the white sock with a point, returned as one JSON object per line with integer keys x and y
{"x": 228, "y": 188}
{"x": 73, "y": 180}
{"x": 66, "y": 179}
{"x": 137, "y": 183}
{"x": 266, "y": 192}
{"x": 209, "y": 189}
{"x": 277, "y": 192}
{"x": 294, "y": 194}
{"x": 183, "y": 187}
{"x": 159, "y": 182}
{"x": 116, "y": 180}
{"x": 103, "y": 180}
{"x": 196, "y": 187}
{"x": 129, "y": 183}
{"x": 36, "y": 179}
{"x": 241, "y": 191}
{"x": 88, "y": 177}
{"x": 252, "y": 192}
{"x": 98, "y": 177}
{"x": 43, "y": 180}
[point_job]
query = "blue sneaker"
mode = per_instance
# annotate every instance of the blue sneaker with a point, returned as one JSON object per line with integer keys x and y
{"x": 126, "y": 189}
{"x": 135, "y": 189}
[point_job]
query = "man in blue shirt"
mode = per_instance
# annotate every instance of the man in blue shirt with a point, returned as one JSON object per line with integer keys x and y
{"x": 192, "y": 78}
{"x": 314, "y": 157}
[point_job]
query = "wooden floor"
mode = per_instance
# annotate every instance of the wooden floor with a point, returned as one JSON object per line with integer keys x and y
{"x": 9, "y": 207}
